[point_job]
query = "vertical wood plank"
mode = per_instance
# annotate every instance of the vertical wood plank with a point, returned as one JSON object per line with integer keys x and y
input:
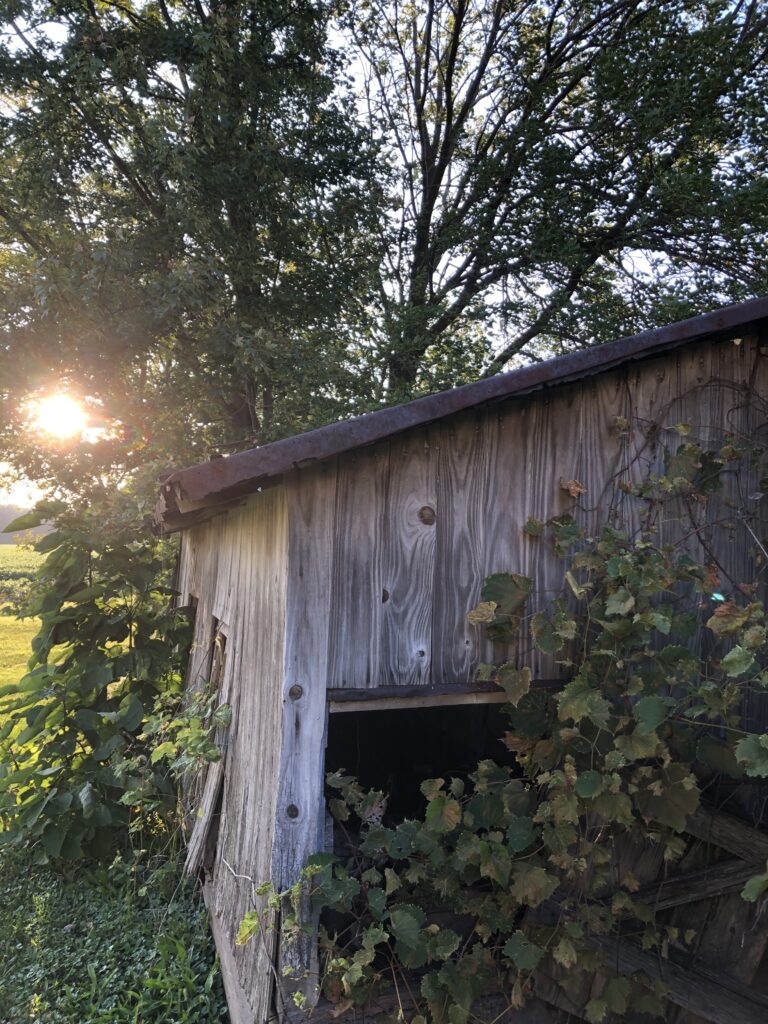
{"x": 407, "y": 560}
{"x": 300, "y": 813}
{"x": 466, "y": 452}
{"x": 357, "y": 587}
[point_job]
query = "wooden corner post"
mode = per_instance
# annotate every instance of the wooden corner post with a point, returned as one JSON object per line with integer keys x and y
{"x": 299, "y": 814}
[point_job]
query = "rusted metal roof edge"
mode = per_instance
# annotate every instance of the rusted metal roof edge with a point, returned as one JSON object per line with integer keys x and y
{"x": 187, "y": 493}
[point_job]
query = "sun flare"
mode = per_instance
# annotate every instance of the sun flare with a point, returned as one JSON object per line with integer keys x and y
{"x": 59, "y": 416}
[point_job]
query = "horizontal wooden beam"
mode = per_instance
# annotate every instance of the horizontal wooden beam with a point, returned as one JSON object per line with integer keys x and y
{"x": 712, "y": 995}
{"x": 727, "y": 876}
{"x": 411, "y": 703}
{"x": 393, "y": 697}
{"x": 730, "y": 833}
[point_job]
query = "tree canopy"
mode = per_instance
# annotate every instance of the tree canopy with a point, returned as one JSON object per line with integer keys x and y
{"x": 223, "y": 223}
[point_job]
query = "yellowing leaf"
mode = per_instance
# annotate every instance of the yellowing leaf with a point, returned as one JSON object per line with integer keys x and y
{"x": 565, "y": 952}
{"x": 729, "y": 617}
{"x": 532, "y": 885}
{"x": 484, "y": 612}
{"x": 516, "y": 682}
{"x": 249, "y": 926}
{"x": 574, "y": 487}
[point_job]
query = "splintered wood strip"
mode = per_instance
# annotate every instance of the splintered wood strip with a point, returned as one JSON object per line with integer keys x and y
{"x": 730, "y": 833}
{"x": 712, "y": 995}
{"x": 692, "y": 886}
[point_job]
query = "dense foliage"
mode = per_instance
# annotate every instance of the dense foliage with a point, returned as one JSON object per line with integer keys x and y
{"x": 113, "y": 945}
{"x": 250, "y": 217}
{"x": 93, "y": 733}
{"x": 513, "y": 867}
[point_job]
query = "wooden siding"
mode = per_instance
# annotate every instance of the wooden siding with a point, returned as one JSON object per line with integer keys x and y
{"x": 236, "y": 568}
{"x": 422, "y": 518}
{"x": 358, "y": 572}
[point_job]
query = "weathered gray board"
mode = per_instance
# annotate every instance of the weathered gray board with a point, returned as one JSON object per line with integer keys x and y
{"x": 236, "y": 568}
{"x": 359, "y": 572}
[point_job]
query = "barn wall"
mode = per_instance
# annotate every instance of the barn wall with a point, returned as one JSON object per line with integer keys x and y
{"x": 236, "y": 568}
{"x": 421, "y": 519}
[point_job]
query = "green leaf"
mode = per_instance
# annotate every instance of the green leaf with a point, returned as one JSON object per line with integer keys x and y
{"x": 577, "y": 700}
{"x": 249, "y": 926}
{"x": 564, "y": 953}
{"x": 406, "y": 921}
{"x": 650, "y": 712}
{"x": 377, "y": 901}
{"x": 392, "y": 882}
{"x": 717, "y": 756}
{"x": 737, "y": 662}
{"x": 670, "y": 797}
{"x": 52, "y": 839}
{"x": 515, "y": 682}
{"x": 620, "y": 603}
{"x": 544, "y": 636}
{"x": 756, "y": 887}
{"x": 532, "y": 884}
{"x": 525, "y": 955}
{"x": 533, "y": 527}
{"x": 589, "y": 784}
{"x": 521, "y": 834}
{"x": 27, "y": 521}
{"x": 443, "y": 814}
{"x": 443, "y": 945}
{"x": 596, "y": 1010}
{"x": 509, "y": 590}
{"x": 752, "y": 751}
{"x": 616, "y": 994}
{"x": 636, "y": 746}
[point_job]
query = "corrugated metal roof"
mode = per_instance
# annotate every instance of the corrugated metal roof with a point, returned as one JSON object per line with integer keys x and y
{"x": 192, "y": 494}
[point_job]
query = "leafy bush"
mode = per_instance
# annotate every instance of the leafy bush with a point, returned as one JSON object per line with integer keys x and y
{"x": 116, "y": 945}
{"x": 110, "y": 644}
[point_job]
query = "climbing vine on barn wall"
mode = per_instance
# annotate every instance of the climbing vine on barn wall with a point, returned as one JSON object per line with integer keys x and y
{"x": 514, "y": 869}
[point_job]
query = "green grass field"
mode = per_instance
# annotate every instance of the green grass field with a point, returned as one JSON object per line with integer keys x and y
{"x": 15, "y": 638}
{"x": 17, "y": 559}
{"x": 17, "y": 566}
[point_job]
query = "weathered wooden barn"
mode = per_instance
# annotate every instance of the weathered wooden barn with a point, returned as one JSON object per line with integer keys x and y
{"x": 332, "y": 573}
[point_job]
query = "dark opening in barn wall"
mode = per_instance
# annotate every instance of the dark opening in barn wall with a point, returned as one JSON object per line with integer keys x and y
{"x": 396, "y": 750}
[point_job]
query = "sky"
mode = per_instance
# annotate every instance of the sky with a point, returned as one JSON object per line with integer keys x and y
{"x": 23, "y": 494}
